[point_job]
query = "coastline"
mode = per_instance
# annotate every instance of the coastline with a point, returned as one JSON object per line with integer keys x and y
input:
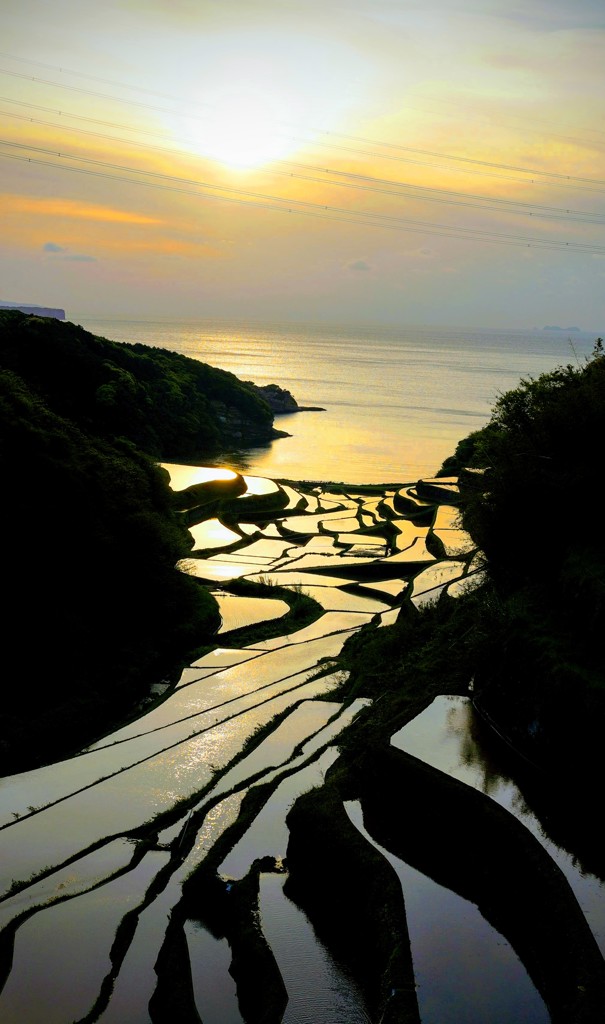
{"x": 397, "y": 400}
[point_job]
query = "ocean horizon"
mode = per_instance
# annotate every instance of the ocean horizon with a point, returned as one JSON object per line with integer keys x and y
{"x": 397, "y": 400}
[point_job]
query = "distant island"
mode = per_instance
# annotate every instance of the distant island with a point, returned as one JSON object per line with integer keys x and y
{"x": 555, "y": 327}
{"x": 57, "y": 314}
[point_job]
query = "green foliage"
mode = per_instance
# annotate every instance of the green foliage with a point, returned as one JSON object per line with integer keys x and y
{"x": 402, "y": 667}
{"x": 172, "y": 407}
{"x": 470, "y": 451}
{"x": 532, "y": 515}
{"x": 542, "y": 448}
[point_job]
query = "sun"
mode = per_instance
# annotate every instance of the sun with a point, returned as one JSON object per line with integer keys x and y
{"x": 263, "y": 95}
{"x": 260, "y": 96}
{"x": 244, "y": 131}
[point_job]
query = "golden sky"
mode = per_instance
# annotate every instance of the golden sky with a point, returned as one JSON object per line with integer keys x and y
{"x": 369, "y": 161}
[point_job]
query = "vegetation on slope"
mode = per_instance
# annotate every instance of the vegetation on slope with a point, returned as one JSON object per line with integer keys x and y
{"x": 531, "y": 639}
{"x": 172, "y": 407}
{"x": 94, "y": 609}
{"x": 533, "y": 514}
{"x": 104, "y": 607}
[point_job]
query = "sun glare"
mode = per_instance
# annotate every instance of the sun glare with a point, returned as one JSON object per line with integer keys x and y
{"x": 244, "y": 132}
{"x": 259, "y": 97}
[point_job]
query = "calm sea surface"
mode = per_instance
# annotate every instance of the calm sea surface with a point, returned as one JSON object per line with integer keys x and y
{"x": 396, "y": 400}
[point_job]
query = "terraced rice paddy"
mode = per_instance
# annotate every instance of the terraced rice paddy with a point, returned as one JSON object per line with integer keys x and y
{"x": 96, "y": 848}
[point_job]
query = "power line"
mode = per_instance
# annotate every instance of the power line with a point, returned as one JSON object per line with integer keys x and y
{"x": 246, "y": 197}
{"x": 359, "y": 182}
{"x": 82, "y": 117}
{"x": 312, "y": 173}
{"x": 349, "y": 174}
{"x": 89, "y": 78}
{"x": 395, "y": 151}
{"x": 471, "y": 160}
{"x": 176, "y": 99}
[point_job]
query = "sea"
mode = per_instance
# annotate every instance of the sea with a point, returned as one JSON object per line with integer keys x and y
{"x": 395, "y": 400}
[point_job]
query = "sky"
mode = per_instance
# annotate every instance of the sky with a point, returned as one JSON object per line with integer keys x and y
{"x": 341, "y": 161}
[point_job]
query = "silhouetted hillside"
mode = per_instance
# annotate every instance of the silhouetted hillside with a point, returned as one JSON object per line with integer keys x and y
{"x": 93, "y": 608}
{"x": 534, "y": 512}
{"x": 172, "y": 407}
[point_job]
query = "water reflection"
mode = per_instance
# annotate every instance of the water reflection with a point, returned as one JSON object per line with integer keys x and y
{"x": 70, "y": 957}
{"x": 214, "y": 988}
{"x": 212, "y": 534}
{"x": 237, "y": 612}
{"x": 331, "y": 998}
{"x": 268, "y": 834}
{"x": 465, "y": 970}
{"x": 134, "y": 986}
{"x": 185, "y": 476}
{"x": 187, "y": 748}
{"x": 450, "y": 736}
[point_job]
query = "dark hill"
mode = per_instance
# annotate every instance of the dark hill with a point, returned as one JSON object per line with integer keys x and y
{"x": 534, "y": 512}
{"x": 172, "y": 407}
{"x": 93, "y": 607}
{"x": 24, "y": 307}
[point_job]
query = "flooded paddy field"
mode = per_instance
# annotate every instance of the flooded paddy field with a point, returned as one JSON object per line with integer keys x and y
{"x": 148, "y": 878}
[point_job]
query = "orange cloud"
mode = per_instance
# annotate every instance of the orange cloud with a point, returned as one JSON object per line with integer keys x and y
{"x": 41, "y": 206}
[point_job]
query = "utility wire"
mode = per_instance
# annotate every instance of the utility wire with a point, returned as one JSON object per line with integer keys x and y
{"x": 166, "y": 96}
{"x": 247, "y": 197}
{"x": 359, "y": 182}
{"x": 394, "y": 150}
{"x": 347, "y": 149}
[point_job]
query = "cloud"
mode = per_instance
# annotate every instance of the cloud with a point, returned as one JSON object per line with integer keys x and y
{"x": 63, "y": 250}
{"x": 358, "y": 265}
{"x": 41, "y": 206}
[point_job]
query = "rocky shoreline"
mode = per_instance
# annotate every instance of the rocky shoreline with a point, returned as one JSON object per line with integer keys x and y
{"x": 280, "y": 400}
